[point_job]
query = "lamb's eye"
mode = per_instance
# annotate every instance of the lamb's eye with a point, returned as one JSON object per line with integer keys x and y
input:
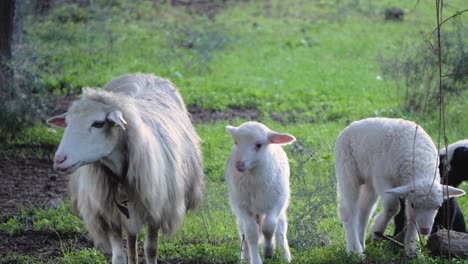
{"x": 235, "y": 142}
{"x": 98, "y": 124}
{"x": 412, "y": 205}
{"x": 258, "y": 146}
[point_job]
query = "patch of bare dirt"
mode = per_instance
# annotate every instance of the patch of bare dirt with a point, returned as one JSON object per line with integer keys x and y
{"x": 28, "y": 182}
{"x": 207, "y": 8}
{"x": 41, "y": 245}
{"x": 212, "y": 116}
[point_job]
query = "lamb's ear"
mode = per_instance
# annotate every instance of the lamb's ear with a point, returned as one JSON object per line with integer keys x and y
{"x": 58, "y": 121}
{"x": 85, "y": 90}
{"x": 452, "y": 191}
{"x": 231, "y": 129}
{"x": 279, "y": 138}
{"x": 401, "y": 191}
{"x": 117, "y": 118}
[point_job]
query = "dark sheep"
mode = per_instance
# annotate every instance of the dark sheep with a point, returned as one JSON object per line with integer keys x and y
{"x": 453, "y": 169}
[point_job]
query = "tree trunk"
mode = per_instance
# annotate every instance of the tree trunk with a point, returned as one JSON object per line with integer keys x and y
{"x": 7, "y": 14}
{"x": 438, "y": 244}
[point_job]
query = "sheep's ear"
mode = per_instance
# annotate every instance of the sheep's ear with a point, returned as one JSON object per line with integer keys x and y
{"x": 117, "y": 118}
{"x": 231, "y": 129}
{"x": 279, "y": 138}
{"x": 58, "y": 121}
{"x": 401, "y": 191}
{"x": 452, "y": 191}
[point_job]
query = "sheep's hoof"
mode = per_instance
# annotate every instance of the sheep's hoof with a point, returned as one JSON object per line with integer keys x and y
{"x": 377, "y": 236}
{"x": 412, "y": 252}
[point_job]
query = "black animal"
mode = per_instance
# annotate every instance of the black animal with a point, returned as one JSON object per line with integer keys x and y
{"x": 453, "y": 170}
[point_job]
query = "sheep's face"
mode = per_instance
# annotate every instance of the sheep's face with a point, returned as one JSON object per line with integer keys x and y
{"x": 92, "y": 132}
{"x": 252, "y": 140}
{"x": 423, "y": 208}
{"x": 423, "y": 202}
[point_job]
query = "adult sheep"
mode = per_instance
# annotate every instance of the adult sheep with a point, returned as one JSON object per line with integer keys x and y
{"x": 390, "y": 158}
{"x": 453, "y": 170}
{"x": 134, "y": 159}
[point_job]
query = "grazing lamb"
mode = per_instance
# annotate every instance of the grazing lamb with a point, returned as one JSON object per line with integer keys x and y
{"x": 257, "y": 173}
{"x": 134, "y": 159}
{"x": 390, "y": 158}
{"x": 455, "y": 163}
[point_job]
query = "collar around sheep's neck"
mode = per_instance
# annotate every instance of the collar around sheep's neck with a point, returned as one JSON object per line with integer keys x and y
{"x": 119, "y": 180}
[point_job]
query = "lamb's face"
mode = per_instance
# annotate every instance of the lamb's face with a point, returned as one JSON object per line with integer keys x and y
{"x": 423, "y": 207}
{"x": 252, "y": 140}
{"x": 423, "y": 201}
{"x": 249, "y": 147}
{"x": 91, "y": 134}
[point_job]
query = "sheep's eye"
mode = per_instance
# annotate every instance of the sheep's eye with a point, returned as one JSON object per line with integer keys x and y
{"x": 98, "y": 124}
{"x": 258, "y": 146}
{"x": 235, "y": 142}
{"x": 412, "y": 205}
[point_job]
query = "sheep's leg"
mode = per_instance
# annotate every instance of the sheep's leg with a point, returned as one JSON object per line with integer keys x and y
{"x": 151, "y": 244}
{"x": 132, "y": 248}
{"x": 411, "y": 236}
{"x": 390, "y": 207}
{"x": 348, "y": 196}
{"x": 269, "y": 227}
{"x": 281, "y": 236}
{"x": 244, "y": 247}
{"x": 251, "y": 234}
{"x": 118, "y": 251}
{"x": 367, "y": 202}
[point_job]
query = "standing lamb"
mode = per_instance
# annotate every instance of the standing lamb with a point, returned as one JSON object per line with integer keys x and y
{"x": 134, "y": 159}
{"x": 453, "y": 170}
{"x": 257, "y": 173}
{"x": 390, "y": 158}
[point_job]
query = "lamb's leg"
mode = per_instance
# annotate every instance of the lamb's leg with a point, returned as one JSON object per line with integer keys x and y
{"x": 367, "y": 201}
{"x": 244, "y": 247}
{"x": 348, "y": 196}
{"x": 118, "y": 251}
{"x": 251, "y": 233}
{"x": 411, "y": 237}
{"x": 151, "y": 244}
{"x": 390, "y": 207}
{"x": 281, "y": 236}
{"x": 132, "y": 248}
{"x": 269, "y": 227}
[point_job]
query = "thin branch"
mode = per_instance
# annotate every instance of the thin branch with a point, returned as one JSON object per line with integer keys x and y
{"x": 454, "y": 74}
{"x": 450, "y": 17}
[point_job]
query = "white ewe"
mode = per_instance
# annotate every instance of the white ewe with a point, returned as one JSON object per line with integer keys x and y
{"x": 390, "y": 158}
{"x": 135, "y": 159}
{"x": 257, "y": 173}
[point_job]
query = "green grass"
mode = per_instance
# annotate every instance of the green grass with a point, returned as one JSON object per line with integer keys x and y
{"x": 309, "y": 67}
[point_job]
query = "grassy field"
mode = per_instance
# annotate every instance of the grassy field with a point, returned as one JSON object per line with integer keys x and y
{"x": 308, "y": 67}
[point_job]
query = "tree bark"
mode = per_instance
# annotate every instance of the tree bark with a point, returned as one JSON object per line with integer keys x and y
{"x": 438, "y": 244}
{"x": 7, "y": 15}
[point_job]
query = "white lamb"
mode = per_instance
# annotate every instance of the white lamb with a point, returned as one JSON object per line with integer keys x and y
{"x": 390, "y": 158}
{"x": 134, "y": 159}
{"x": 257, "y": 173}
